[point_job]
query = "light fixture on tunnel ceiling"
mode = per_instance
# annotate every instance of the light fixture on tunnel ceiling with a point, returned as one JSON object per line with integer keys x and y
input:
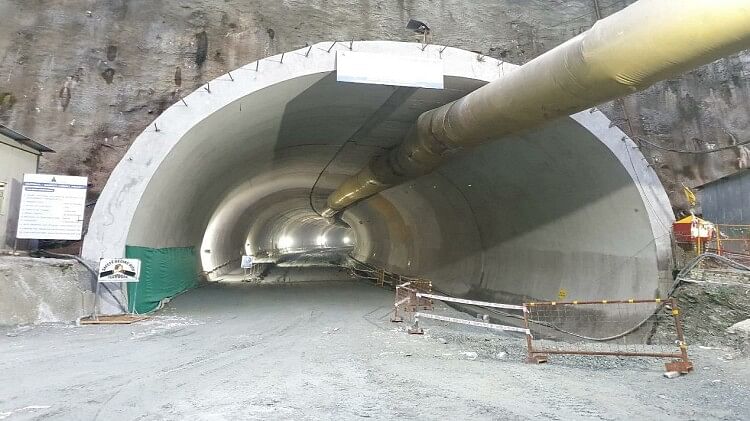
{"x": 346, "y": 240}
{"x": 417, "y": 26}
{"x": 286, "y": 242}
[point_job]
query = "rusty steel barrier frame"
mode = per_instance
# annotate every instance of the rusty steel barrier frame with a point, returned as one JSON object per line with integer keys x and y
{"x": 723, "y": 242}
{"x": 412, "y": 300}
{"x": 418, "y": 330}
{"x": 381, "y": 278}
{"x": 681, "y": 363}
{"x": 407, "y": 299}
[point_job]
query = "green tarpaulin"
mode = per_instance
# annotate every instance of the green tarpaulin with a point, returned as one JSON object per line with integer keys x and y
{"x": 165, "y": 272}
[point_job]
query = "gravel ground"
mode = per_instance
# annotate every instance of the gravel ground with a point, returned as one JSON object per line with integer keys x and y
{"x": 326, "y": 350}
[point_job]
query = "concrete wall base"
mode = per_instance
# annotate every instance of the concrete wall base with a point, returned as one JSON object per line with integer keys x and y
{"x": 34, "y": 291}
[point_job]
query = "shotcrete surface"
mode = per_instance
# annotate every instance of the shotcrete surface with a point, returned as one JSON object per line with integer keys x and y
{"x": 326, "y": 350}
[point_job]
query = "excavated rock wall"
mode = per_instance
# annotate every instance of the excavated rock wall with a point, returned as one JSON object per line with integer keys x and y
{"x": 85, "y": 77}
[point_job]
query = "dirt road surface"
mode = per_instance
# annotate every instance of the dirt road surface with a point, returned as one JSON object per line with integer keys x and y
{"x": 326, "y": 350}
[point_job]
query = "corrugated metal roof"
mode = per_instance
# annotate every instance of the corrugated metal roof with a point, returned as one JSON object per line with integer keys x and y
{"x": 24, "y": 140}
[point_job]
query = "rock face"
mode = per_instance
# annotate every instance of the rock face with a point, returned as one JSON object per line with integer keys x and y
{"x": 741, "y": 333}
{"x": 713, "y": 314}
{"x": 740, "y": 328}
{"x": 86, "y": 77}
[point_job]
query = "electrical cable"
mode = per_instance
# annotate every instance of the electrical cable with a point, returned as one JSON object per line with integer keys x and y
{"x": 320, "y": 175}
{"x": 640, "y": 188}
{"x": 89, "y": 268}
{"x": 664, "y": 148}
{"x": 637, "y": 326}
{"x": 594, "y": 12}
{"x": 396, "y": 98}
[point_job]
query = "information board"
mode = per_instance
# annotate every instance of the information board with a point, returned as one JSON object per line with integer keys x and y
{"x": 119, "y": 270}
{"x": 52, "y": 207}
{"x": 247, "y": 262}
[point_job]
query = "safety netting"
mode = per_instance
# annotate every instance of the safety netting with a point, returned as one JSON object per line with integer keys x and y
{"x": 165, "y": 272}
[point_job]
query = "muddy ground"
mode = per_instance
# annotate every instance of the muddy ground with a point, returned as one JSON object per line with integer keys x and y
{"x": 326, "y": 350}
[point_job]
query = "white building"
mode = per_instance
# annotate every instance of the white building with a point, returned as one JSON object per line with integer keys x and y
{"x": 19, "y": 155}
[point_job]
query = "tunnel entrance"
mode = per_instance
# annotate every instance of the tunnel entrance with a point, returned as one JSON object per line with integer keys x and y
{"x": 245, "y": 163}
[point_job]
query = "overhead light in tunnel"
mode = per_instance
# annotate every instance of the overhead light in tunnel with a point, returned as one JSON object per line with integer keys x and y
{"x": 347, "y": 240}
{"x": 286, "y": 242}
{"x": 417, "y": 26}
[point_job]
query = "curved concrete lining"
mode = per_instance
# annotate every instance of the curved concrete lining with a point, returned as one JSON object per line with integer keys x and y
{"x": 554, "y": 209}
{"x": 571, "y": 205}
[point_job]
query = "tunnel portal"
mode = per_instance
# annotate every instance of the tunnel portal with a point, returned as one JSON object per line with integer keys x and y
{"x": 245, "y": 163}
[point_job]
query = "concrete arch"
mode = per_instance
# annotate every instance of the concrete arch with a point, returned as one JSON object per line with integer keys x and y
{"x": 569, "y": 205}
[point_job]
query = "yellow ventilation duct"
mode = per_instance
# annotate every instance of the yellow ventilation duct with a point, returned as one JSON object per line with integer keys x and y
{"x": 649, "y": 41}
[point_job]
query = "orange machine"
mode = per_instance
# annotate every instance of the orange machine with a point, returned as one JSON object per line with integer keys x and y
{"x": 693, "y": 232}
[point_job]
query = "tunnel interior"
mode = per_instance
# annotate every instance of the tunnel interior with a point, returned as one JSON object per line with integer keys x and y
{"x": 568, "y": 206}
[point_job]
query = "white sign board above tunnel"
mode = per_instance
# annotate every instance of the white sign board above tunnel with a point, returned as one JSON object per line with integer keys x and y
{"x": 52, "y": 207}
{"x": 386, "y": 69}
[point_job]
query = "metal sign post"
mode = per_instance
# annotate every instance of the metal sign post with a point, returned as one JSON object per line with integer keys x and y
{"x": 247, "y": 263}
{"x": 117, "y": 271}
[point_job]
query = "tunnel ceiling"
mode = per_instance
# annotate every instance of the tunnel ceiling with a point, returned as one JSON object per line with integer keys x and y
{"x": 236, "y": 162}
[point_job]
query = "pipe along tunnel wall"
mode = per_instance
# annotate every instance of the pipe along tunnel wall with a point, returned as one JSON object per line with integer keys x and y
{"x": 571, "y": 205}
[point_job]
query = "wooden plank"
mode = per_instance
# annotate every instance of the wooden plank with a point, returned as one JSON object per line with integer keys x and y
{"x": 117, "y": 319}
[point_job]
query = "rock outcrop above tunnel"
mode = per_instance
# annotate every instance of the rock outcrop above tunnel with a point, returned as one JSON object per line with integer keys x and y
{"x": 86, "y": 79}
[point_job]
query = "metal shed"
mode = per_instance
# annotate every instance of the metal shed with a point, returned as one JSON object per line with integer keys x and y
{"x": 19, "y": 155}
{"x": 727, "y": 200}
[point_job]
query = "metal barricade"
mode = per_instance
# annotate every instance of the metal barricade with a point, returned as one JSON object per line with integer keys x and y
{"x": 485, "y": 324}
{"x": 411, "y": 298}
{"x": 732, "y": 241}
{"x": 407, "y": 299}
{"x": 623, "y": 328}
{"x": 728, "y": 240}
